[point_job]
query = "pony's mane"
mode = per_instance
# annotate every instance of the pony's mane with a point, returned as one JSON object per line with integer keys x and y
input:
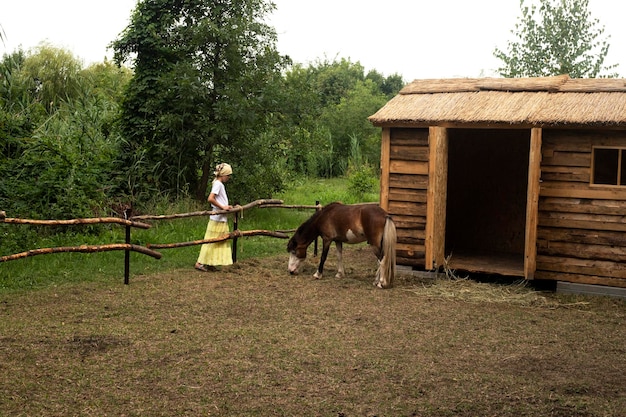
{"x": 318, "y": 213}
{"x": 311, "y": 220}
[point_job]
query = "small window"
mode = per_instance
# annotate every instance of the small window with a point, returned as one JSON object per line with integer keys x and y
{"x": 608, "y": 168}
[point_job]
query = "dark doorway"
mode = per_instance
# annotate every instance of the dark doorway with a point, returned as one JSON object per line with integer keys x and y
{"x": 486, "y": 200}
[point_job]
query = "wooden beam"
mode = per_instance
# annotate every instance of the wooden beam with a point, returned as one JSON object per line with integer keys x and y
{"x": 591, "y": 252}
{"x": 569, "y": 223}
{"x": 410, "y": 182}
{"x": 385, "y": 147}
{"x": 532, "y": 204}
{"x": 230, "y": 235}
{"x": 83, "y": 249}
{"x": 416, "y": 209}
{"x": 95, "y": 220}
{"x": 236, "y": 209}
{"x": 409, "y": 167}
{"x": 591, "y": 237}
{"x": 601, "y": 193}
{"x": 399, "y": 194}
{"x": 410, "y": 152}
{"x": 583, "y": 279}
{"x": 436, "y": 198}
{"x": 579, "y": 205}
{"x": 579, "y": 266}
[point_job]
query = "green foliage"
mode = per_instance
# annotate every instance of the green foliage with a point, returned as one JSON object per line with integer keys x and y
{"x": 308, "y": 190}
{"x": 257, "y": 173}
{"x": 61, "y": 165}
{"x": 389, "y": 86}
{"x": 15, "y": 94}
{"x": 53, "y": 75}
{"x": 325, "y": 105}
{"x": 106, "y": 80}
{"x": 362, "y": 181}
{"x": 13, "y": 127}
{"x": 207, "y": 76}
{"x": 348, "y": 119}
{"x": 362, "y": 178}
{"x": 62, "y": 171}
{"x": 333, "y": 80}
{"x": 559, "y": 37}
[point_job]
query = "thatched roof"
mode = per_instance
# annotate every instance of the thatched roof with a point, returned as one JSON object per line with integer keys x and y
{"x": 546, "y": 101}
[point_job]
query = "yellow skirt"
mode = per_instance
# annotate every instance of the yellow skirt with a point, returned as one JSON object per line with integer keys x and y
{"x": 218, "y": 253}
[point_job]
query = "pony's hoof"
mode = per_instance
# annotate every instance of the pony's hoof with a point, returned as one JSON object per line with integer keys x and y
{"x": 339, "y": 276}
{"x": 317, "y": 275}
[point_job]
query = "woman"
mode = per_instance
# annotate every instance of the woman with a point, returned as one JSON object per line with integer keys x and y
{"x": 219, "y": 253}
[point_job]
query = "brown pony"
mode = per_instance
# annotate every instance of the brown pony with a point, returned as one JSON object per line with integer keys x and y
{"x": 341, "y": 223}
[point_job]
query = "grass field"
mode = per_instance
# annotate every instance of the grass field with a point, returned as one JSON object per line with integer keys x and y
{"x": 56, "y": 269}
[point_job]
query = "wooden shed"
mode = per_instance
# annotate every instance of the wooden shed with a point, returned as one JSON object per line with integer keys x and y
{"x": 521, "y": 177}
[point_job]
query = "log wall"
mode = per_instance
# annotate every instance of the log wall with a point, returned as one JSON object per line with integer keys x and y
{"x": 406, "y": 170}
{"x": 581, "y": 234}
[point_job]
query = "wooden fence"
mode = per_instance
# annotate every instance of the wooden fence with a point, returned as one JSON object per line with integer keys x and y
{"x": 139, "y": 222}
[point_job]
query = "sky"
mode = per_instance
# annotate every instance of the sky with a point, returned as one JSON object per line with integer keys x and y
{"x": 414, "y": 38}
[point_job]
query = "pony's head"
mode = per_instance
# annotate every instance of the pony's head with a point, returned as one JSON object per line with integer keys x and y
{"x": 297, "y": 253}
{"x": 300, "y": 241}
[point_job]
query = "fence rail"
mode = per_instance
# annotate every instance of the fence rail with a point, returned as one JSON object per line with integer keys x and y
{"x": 134, "y": 221}
{"x": 232, "y": 235}
{"x": 236, "y": 209}
{"x": 84, "y": 249}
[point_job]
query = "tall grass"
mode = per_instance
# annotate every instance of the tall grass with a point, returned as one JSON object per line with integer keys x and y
{"x": 63, "y": 268}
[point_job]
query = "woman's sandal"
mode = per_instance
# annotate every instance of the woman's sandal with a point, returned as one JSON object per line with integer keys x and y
{"x": 202, "y": 268}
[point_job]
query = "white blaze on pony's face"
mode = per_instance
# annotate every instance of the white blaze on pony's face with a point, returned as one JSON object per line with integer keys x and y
{"x": 297, "y": 254}
{"x": 294, "y": 263}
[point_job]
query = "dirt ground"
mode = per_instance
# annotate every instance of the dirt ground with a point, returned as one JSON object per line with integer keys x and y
{"x": 250, "y": 340}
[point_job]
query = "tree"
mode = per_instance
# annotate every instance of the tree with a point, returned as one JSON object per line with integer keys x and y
{"x": 56, "y": 161}
{"x": 559, "y": 37}
{"x": 325, "y": 111}
{"x": 206, "y": 79}
{"x": 107, "y": 80}
{"x": 17, "y": 95}
{"x": 349, "y": 128}
{"x": 388, "y": 86}
{"x": 333, "y": 80}
{"x": 53, "y": 74}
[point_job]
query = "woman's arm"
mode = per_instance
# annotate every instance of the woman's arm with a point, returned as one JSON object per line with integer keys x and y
{"x": 214, "y": 202}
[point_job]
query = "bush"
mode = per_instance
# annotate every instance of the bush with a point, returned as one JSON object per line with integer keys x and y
{"x": 361, "y": 181}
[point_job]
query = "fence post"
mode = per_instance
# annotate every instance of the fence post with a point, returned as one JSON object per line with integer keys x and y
{"x": 127, "y": 252}
{"x": 235, "y": 228}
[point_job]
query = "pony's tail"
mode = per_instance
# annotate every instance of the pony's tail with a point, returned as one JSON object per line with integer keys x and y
{"x": 388, "y": 262}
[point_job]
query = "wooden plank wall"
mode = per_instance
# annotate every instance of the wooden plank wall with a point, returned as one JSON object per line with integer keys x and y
{"x": 408, "y": 184}
{"x": 581, "y": 235}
